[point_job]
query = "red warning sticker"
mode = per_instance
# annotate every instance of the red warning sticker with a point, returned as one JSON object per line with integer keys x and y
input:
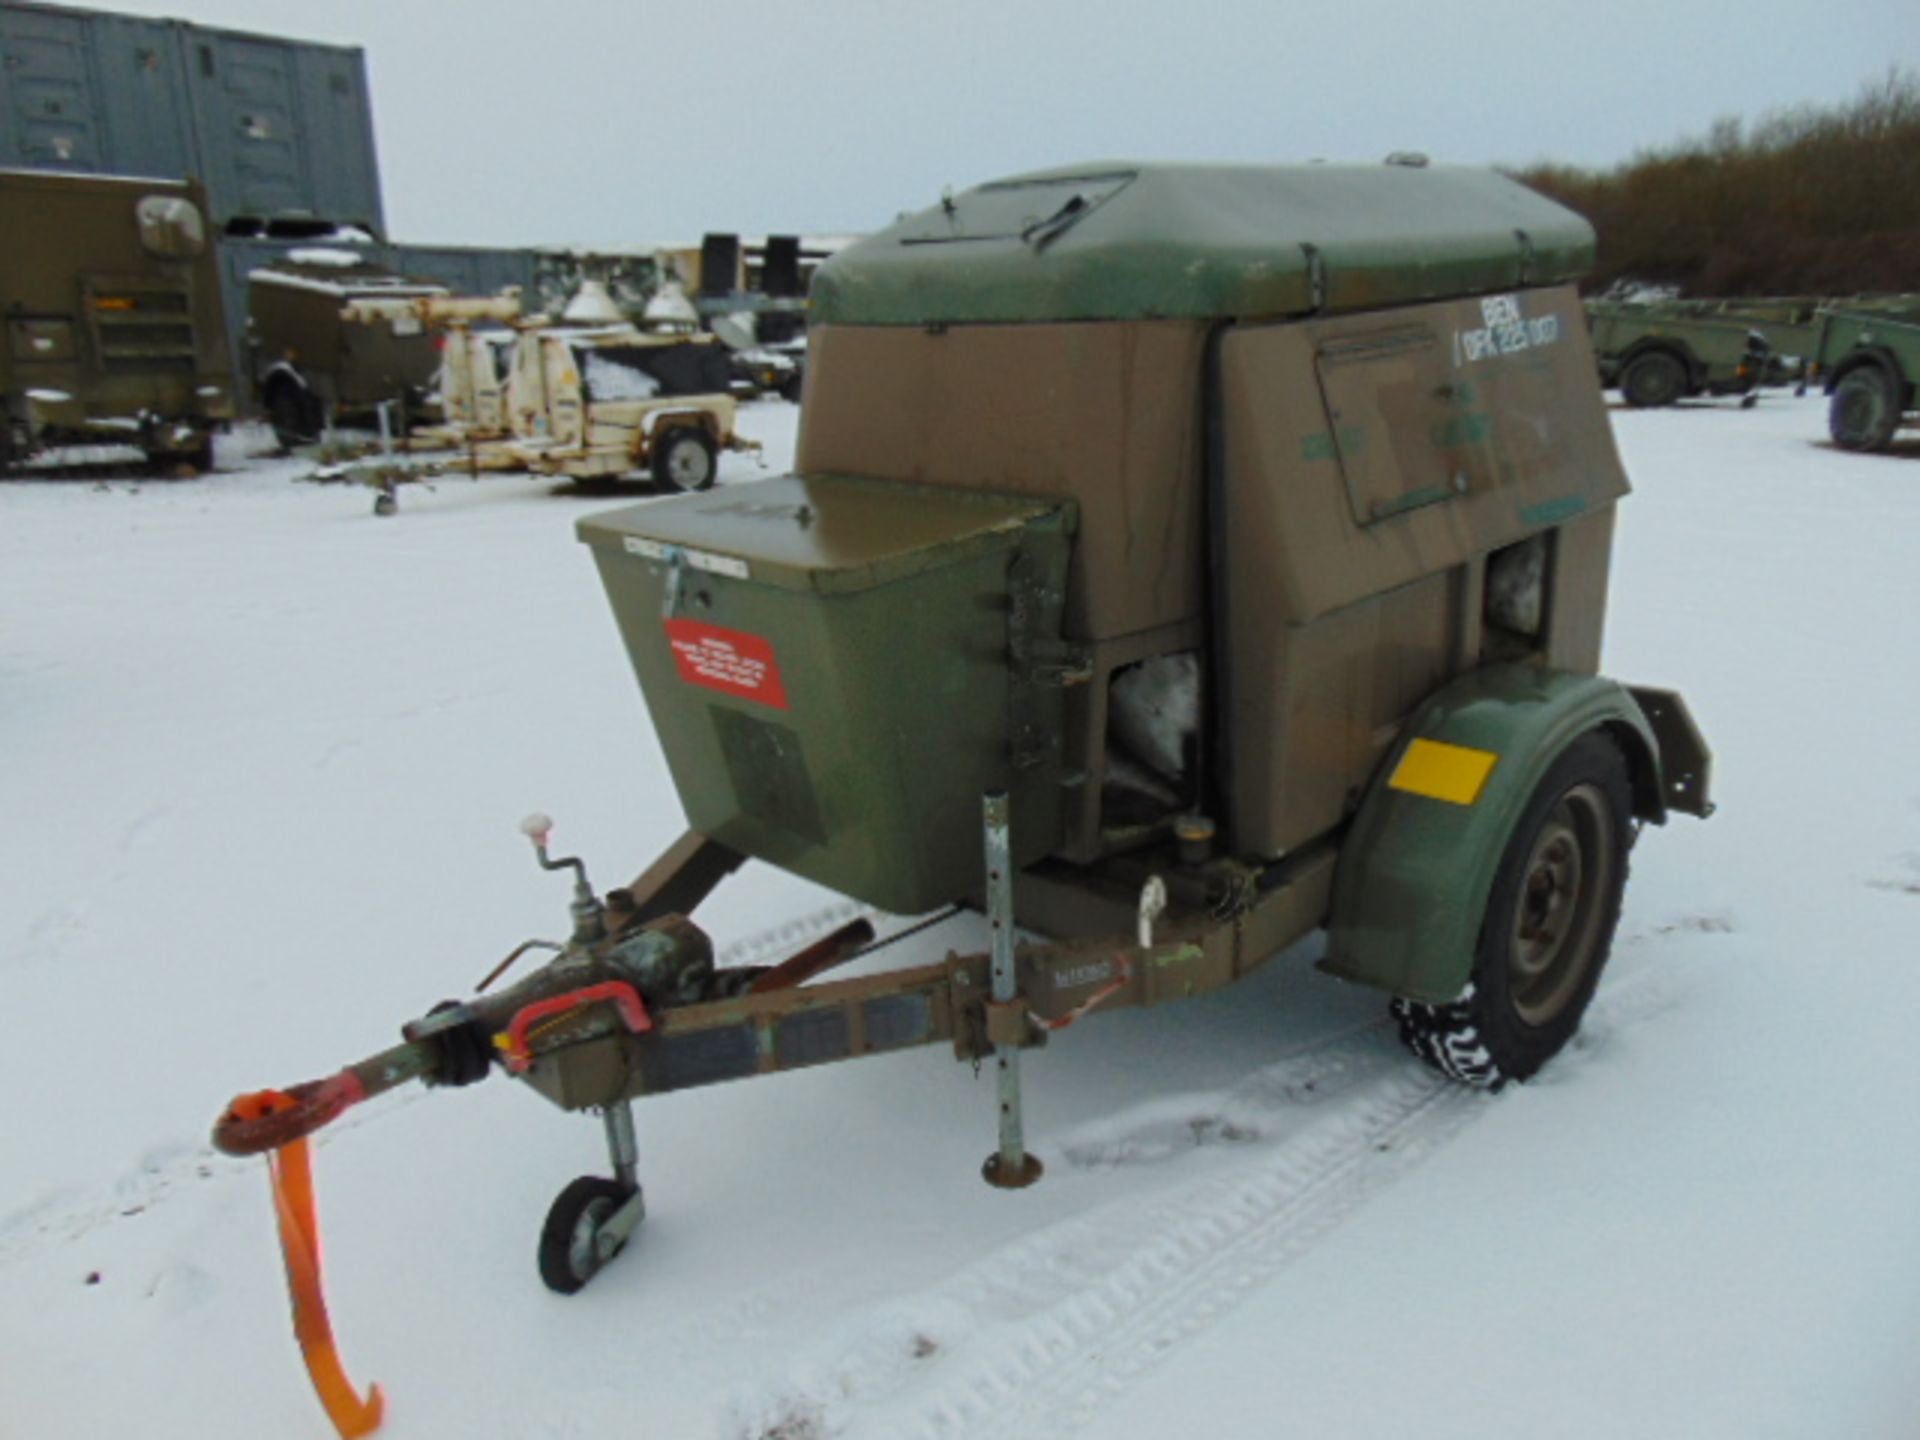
{"x": 730, "y": 661}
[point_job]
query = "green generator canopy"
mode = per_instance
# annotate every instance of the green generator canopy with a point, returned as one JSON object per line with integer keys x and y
{"x": 1126, "y": 241}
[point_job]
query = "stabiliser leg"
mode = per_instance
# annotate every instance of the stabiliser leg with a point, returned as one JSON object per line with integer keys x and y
{"x": 1010, "y": 1167}
{"x": 624, "y": 1151}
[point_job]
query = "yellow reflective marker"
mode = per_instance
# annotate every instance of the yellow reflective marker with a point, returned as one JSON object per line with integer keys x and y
{"x": 1441, "y": 771}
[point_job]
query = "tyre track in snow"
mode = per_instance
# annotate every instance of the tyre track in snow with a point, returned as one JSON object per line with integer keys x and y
{"x": 1033, "y": 1340}
{"x": 1041, "y": 1338}
{"x": 1056, "y": 1368}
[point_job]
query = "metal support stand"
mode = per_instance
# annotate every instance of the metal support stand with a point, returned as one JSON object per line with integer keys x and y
{"x": 624, "y": 1150}
{"x": 1010, "y": 1167}
{"x": 621, "y": 1145}
{"x": 385, "y": 501}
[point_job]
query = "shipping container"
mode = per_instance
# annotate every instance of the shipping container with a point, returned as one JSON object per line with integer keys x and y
{"x": 272, "y": 127}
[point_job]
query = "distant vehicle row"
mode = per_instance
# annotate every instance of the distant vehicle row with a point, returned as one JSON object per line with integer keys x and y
{"x": 1863, "y": 351}
{"x": 117, "y": 337}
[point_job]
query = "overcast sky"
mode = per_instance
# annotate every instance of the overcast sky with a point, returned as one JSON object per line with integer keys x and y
{"x": 609, "y": 123}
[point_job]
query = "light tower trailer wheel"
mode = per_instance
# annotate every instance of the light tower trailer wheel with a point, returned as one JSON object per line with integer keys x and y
{"x": 685, "y": 459}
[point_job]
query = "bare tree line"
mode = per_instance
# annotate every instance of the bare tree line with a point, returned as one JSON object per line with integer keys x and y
{"x": 1812, "y": 200}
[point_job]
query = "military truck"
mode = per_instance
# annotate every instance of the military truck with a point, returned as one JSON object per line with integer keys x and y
{"x": 1659, "y": 353}
{"x": 311, "y": 366}
{"x": 1178, "y": 560}
{"x": 1868, "y": 359}
{"x": 115, "y": 335}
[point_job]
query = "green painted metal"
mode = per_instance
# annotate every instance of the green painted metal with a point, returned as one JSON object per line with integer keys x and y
{"x": 1415, "y": 872}
{"x": 1716, "y": 346}
{"x": 1130, "y": 241}
{"x": 827, "y": 534}
{"x": 876, "y": 660}
{"x": 1790, "y": 323}
{"x": 109, "y": 319}
{"x": 1888, "y": 331}
{"x": 1554, "y": 512}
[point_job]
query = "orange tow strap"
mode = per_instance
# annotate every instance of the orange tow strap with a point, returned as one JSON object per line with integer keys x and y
{"x": 291, "y": 1170}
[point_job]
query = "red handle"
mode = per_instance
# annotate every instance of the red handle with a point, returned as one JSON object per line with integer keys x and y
{"x": 519, "y": 1058}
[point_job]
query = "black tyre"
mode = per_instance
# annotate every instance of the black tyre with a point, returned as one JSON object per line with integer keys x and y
{"x": 1548, "y": 926}
{"x": 1863, "y": 413}
{"x": 294, "y": 415}
{"x": 570, "y": 1253}
{"x": 685, "y": 459}
{"x": 1653, "y": 378}
{"x": 197, "y": 456}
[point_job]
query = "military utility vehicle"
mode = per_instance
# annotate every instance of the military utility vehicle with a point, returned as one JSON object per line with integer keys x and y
{"x": 1663, "y": 352}
{"x": 115, "y": 335}
{"x": 311, "y": 366}
{"x": 1178, "y": 560}
{"x": 1869, "y": 362}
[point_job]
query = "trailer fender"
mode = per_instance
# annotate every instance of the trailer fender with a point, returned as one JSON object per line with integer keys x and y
{"x": 659, "y": 422}
{"x": 1418, "y": 862}
{"x": 1875, "y": 355}
{"x": 282, "y": 372}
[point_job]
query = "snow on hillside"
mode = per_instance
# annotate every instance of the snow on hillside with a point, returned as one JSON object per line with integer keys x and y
{"x": 262, "y": 756}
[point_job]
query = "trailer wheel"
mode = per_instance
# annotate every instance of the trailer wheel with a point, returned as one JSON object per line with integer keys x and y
{"x": 1547, "y": 929}
{"x": 685, "y": 459}
{"x": 294, "y": 416}
{"x": 1653, "y": 378}
{"x": 198, "y": 456}
{"x": 1863, "y": 413}
{"x": 570, "y": 1250}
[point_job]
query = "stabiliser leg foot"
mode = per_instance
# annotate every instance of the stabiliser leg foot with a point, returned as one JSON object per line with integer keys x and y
{"x": 1012, "y": 1177}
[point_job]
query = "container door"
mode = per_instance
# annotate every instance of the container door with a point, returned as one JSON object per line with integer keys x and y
{"x": 53, "y": 117}
{"x": 336, "y": 136}
{"x": 249, "y": 116}
{"x": 143, "y": 97}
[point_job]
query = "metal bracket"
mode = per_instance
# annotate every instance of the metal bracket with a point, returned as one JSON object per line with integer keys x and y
{"x": 1038, "y": 661}
{"x": 674, "y": 595}
{"x": 1008, "y": 1026}
{"x": 614, "y": 1231}
{"x": 1525, "y": 275}
{"x": 1316, "y": 275}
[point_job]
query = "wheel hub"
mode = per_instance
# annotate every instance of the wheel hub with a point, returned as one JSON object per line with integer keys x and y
{"x": 688, "y": 466}
{"x": 1552, "y": 947}
{"x": 586, "y": 1252}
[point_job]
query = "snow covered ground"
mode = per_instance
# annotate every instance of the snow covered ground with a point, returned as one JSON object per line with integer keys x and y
{"x": 262, "y": 756}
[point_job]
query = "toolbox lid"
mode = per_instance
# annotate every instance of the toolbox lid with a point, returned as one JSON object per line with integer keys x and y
{"x": 824, "y": 533}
